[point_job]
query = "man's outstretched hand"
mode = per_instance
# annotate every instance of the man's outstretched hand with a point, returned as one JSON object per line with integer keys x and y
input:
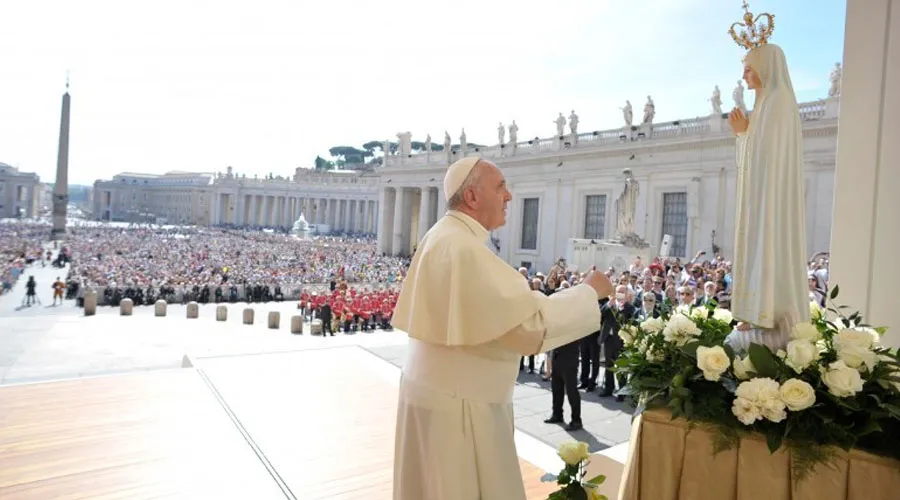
{"x": 599, "y": 282}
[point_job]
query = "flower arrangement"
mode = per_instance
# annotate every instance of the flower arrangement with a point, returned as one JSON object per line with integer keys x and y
{"x": 571, "y": 478}
{"x": 833, "y": 386}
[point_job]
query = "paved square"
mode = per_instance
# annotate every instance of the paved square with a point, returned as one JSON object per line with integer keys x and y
{"x": 46, "y": 343}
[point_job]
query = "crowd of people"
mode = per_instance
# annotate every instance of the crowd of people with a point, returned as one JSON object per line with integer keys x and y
{"x": 182, "y": 264}
{"x": 643, "y": 291}
{"x": 21, "y": 244}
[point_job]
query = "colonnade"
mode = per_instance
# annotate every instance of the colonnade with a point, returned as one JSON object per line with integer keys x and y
{"x": 407, "y": 214}
{"x": 341, "y": 215}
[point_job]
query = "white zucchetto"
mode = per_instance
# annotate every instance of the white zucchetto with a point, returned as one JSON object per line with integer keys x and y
{"x": 456, "y": 175}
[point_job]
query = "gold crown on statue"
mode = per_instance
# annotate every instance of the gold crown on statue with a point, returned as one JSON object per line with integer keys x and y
{"x": 754, "y": 33}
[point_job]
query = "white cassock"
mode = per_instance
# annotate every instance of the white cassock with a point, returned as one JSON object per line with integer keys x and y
{"x": 470, "y": 317}
{"x": 770, "y": 271}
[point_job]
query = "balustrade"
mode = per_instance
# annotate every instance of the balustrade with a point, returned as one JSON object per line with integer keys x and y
{"x": 809, "y": 111}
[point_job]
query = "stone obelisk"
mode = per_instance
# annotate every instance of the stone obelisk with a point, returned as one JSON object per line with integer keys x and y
{"x": 61, "y": 188}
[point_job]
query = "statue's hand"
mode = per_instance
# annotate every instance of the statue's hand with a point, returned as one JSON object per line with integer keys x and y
{"x": 738, "y": 121}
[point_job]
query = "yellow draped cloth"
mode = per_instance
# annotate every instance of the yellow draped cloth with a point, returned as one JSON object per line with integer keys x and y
{"x": 667, "y": 461}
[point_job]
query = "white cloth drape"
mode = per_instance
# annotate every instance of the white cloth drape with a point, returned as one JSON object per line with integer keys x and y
{"x": 770, "y": 280}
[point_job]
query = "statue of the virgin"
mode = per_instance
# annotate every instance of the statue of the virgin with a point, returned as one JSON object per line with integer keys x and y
{"x": 770, "y": 292}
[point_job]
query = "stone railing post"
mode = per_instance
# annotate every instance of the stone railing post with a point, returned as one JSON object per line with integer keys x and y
{"x": 274, "y": 319}
{"x": 90, "y": 302}
{"x": 297, "y": 324}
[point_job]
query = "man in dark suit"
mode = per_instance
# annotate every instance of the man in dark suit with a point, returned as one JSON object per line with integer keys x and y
{"x": 647, "y": 308}
{"x": 325, "y": 316}
{"x": 609, "y": 336}
{"x": 590, "y": 361}
{"x": 563, "y": 382}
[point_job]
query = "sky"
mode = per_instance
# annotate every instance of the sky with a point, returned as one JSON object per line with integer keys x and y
{"x": 266, "y": 86}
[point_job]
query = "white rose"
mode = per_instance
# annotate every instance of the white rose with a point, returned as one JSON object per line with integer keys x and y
{"x": 806, "y": 331}
{"x": 627, "y": 333}
{"x": 797, "y": 394}
{"x": 742, "y": 367}
{"x": 723, "y": 315}
{"x": 860, "y": 337}
{"x": 773, "y": 409}
{"x": 700, "y": 313}
{"x": 800, "y": 354}
{"x": 572, "y": 453}
{"x": 841, "y": 380}
{"x": 815, "y": 311}
{"x": 758, "y": 389}
{"x": 713, "y": 361}
{"x": 642, "y": 346}
{"x": 680, "y": 329}
{"x": 654, "y": 354}
{"x": 855, "y": 356}
{"x": 683, "y": 309}
{"x": 653, "y": 325}
{"x": 745, "y": 410}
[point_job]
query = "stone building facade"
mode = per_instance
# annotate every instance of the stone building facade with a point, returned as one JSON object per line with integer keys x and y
{"x": 20, "y": 192}
{"x": 335, "y": 201}
{"x": 566, "y": 187}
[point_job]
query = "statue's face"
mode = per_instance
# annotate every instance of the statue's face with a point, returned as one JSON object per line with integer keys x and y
{"x": 752, "y": 78}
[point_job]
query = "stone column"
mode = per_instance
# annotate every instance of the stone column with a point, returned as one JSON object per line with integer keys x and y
{"x": 397, "y": 247}
{"x": 347, "y": 220}
{"x": 424, "y": 212}
{"x": 384, "y": 229}
{"x": 865, "y": 237}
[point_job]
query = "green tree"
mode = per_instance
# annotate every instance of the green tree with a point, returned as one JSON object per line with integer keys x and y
{"x": 323, "y": 164}
{"x": 350, "y": 155}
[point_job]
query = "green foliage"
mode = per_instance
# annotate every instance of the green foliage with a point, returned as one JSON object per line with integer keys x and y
{"x": 323, "y": 164}
{"x": 573, "y": 485}
{"x": 349, "y": 154}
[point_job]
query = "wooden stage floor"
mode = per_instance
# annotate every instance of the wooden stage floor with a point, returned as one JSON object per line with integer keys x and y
{"x": 310, "y": 424}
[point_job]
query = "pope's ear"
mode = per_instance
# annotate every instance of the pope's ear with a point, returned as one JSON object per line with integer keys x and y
{"x": 469, "y": 195}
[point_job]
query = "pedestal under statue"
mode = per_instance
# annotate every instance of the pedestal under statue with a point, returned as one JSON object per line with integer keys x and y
{"x": 301, "y": 228}
{"x": 618, "y": 252}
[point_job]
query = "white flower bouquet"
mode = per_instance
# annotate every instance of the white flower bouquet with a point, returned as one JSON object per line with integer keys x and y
{"x": 571, "y": 478}
{"x": 834, "y": 385}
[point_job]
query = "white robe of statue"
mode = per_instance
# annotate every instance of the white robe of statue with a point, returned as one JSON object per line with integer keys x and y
{"x": 470, "y": 317}
{"x": 770, "y": 277}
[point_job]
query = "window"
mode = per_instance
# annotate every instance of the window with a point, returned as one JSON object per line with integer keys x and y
{"x": 675, "y": 222}
{"x": 529, "y": 223}
{"x": 595, "y": 216}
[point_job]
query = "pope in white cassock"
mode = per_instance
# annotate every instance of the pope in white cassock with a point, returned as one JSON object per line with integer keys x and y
{"x": 470, "y": 317}
{"x": 771, "y": 293}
